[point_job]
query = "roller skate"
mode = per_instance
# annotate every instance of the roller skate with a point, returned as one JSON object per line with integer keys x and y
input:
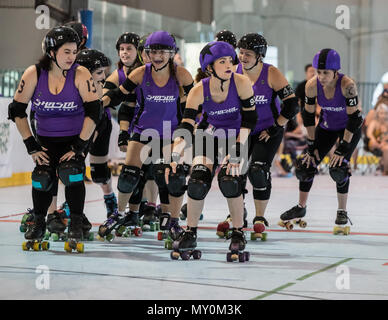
{"x": 74, "y": 241}
{"x": 223, "y": 228}
{"x": 35, "y": 234}
{"x": 237, "y": 246}
{"x": 110, "y": 204}
{"x": 105, "y": 230}
{"x": 175, "y": 231}
{"x": 149, "y": 221}
{"x": 65, "y": 207}
{"x": 185, "y": 246}
{"x": 259, "y": 224}
{"x": 293, "y": 216}
{"x": 341, "y": 223}
{"x": 27, "y": 219}
{"x": 56, "y": 226}
{"x": 130, "y": 225}
{"x": 86, "y": 227}
{"x": 164, "y": 223}
{"x": 183, "y": 214}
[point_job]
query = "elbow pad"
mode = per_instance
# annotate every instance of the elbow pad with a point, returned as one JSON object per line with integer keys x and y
{"x": 290, "y": 109}
{"x": 355, "y": 121}
{"x": 116, "y": 97}
{"x": 126, "y": 113}
{"x": 17, "y": 109}
{"x": 186, "y": 89}
{"x": 129, "y": 85}
{"x": 94, "y": 110}
{"x": 308, "y": 118}
{"x": 109, "y": 85}
{"x": 248, "y": 119}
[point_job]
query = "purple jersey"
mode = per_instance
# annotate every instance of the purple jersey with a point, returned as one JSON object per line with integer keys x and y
{"x": 225, "y": 115}
{"x": 160, "y": 105}
{"x": 58, "y": 115}
{"x": 122, "y": 75}
{"x": 333, "y": 114}
{"x": 267, "y": 105}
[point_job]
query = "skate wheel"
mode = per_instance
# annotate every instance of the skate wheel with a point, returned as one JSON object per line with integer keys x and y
{"x": 37, "y": 246}
{"x": 253, "y": 236}
{"x": 25, "y": 246}
{"x": 90, "y": 236}
{"x": 100, "y": 238}
{"x": 67, "y": 247}
{"x": 174, "y": 255}
{"x": 138, "y": 232}
{"x": 197, "y": 254}
{"x": 160, "y": 236}
{"x": 289, "y": 226}
{"x": 229, "y": 257}
{"x": 168, "y": 244}
{"x": 336, "y": 230}
{"x": 80, "y": 247}
{"x": 221, "y": 234}
{"x": 302, "y": 224}
{"x": 45, "y": 245}
{"x": 54, "y": 237}
{"x": 281, "y": 224}
{"x": 264, "y": 236}
{"x": 346, "y": 231}
{"x": 241, "y": 257}
{"x": 110, "y": 237}
{"x": 46, "y": 236}
{"x": 22, "y": 228}
{"x": 185, "y": 255}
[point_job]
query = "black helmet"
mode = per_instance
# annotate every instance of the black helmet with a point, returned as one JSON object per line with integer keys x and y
{"x": 254, "y": 42}
{"x": 57, "y": 37}
{"x": 92, "y": 59}
{"x": 80, "y": 28}
{"x": 128, "y": 37}
{"x": 227, "y": 36}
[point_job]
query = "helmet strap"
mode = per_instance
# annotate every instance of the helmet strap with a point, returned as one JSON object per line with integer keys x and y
{"x": 259, "y": 58}
{"x": 161, "y": 67}
{"x": 222, "y": 80}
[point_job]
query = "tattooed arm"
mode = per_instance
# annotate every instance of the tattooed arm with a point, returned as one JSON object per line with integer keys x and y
{"x": 349, "y": 91}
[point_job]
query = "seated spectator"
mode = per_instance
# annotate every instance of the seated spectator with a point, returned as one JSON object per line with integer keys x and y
{"x": 377, "y": 134}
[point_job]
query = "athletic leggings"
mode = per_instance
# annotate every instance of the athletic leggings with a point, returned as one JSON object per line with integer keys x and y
{"x": 324, "y": 141}
{"x": 75, "y": 195}
{"x": 262, "y": 151}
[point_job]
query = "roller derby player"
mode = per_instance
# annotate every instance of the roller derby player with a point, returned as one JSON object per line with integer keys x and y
{"x": 66, "y": 113}
{"x": 158, "y": 83}
{"x": 227, "y": 103}
{"x": 341, "y": 119}
{"x": 268, "y": 83}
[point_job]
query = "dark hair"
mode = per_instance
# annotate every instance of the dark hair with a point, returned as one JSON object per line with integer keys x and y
{"x": 307, "y": 66}
{"x": 200, "y": 75}
{"x": 44, "y": 63}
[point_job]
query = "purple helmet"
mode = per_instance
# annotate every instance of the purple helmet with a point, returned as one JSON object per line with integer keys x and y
{"x": 327, "y": 59}
{"x": 215, "y": 50}
{"x": 160, "y": 40}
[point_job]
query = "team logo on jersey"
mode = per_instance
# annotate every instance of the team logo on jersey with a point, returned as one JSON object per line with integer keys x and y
{"x": 260, "y": 99}
{"x": 221, "y": 112}
{"x": 54, "y": 105}
{"x": 163, "y": 99}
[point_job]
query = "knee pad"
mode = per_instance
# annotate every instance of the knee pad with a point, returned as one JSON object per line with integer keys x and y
{"x": 71, "y": 172}
{"x": 158, "y": 171}
{"x": 128, "y": 179}
{"x": 177, "y": 182}
{"x": 43, "y": 178}
{"x": 137, "y": 194}
{"x": 199, "y": 183}
{"x": 340, "y": 174}
{"x": 259, "y": 175}
{"x": 303, "y": 173}
{"x": 100, "y": 172}
{"x": 230, "y": 186}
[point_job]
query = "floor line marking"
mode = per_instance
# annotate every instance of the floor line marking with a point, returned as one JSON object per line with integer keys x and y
{"x": 287, "y": 285}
